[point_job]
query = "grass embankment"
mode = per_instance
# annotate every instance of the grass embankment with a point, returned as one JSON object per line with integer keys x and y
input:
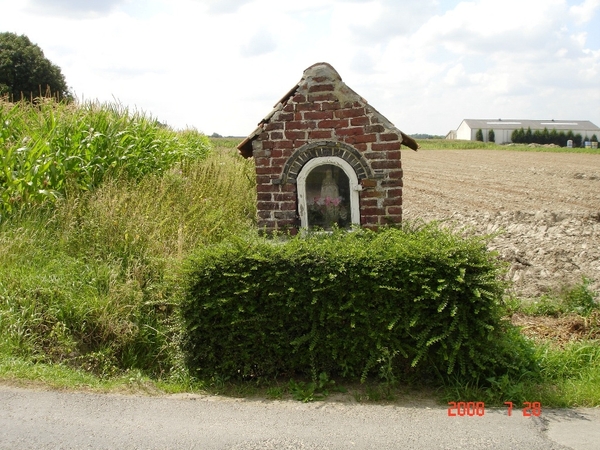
{"x": 86, "y": 275}
{"x": 100, "y": 207}
{"x": 564, "y": 331}
{"x": 447, "y": 144}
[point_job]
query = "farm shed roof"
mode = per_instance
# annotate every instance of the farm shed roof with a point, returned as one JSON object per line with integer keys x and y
{"x": 245, "y": 147}
{"x": 511, "y": 124}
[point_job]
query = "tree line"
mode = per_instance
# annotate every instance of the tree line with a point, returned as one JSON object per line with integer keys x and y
{"x": 545, "y": 136}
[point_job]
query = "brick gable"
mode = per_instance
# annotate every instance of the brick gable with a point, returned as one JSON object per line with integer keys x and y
{"x": 321, "y": 117}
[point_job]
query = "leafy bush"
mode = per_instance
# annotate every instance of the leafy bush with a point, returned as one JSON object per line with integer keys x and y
{"x": 580, "y": 298}
{"x": 408, "y": 301}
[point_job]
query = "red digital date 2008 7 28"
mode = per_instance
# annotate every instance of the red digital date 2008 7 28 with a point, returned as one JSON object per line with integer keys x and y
{"x": 472, "y": 409}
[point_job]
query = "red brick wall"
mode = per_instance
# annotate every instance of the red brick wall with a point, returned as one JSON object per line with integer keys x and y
{"x": 328, "y": 112}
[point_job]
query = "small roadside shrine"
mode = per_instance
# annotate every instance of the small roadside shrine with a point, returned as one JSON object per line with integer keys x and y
{"x": 324, "y": 157}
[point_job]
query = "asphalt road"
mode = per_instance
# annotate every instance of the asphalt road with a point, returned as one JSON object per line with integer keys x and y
{"x": 38, "y": 419}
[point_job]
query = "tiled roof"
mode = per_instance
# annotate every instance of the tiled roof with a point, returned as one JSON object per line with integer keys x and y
{"x": 245, "y": 147}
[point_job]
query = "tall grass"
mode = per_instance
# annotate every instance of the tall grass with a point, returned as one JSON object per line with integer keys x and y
{"x": 92, "y": 282}
{"x": 571, "y": 374}
{"x": 568, "y": 371}
{"x": 49, "y": 149}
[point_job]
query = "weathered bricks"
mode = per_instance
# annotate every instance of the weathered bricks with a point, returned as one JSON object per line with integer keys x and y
{"x": 324, "y": 111}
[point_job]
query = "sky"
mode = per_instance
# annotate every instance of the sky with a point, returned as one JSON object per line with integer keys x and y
{"x": 219, "y": 66}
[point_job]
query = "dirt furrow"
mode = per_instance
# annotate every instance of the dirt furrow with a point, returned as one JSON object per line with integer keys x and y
{"x": 546, "y": 207}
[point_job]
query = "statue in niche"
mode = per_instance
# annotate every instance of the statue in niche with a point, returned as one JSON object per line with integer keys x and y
{"x": 327, "y": 209}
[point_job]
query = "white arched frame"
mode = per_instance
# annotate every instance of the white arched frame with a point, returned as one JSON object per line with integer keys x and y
{"x": 355, "y": 187}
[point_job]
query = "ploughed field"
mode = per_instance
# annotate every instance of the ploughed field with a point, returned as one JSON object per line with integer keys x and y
{"x": 545, "y": 206}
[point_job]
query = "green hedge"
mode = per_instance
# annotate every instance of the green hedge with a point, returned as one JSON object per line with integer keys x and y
{"x": 419, "y": 301}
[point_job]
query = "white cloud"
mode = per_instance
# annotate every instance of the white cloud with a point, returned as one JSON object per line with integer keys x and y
{"x": 224, "y": 6}
{"x": 73, "y": 8}
{"x": 259, "y": 44}
{"x": 585, "y": 11}
{"x": 456, "y": 76}
{"x": 220, "y": 65}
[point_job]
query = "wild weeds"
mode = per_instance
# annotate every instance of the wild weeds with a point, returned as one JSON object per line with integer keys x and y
{"x": 91, "y": 282}
{"x": 577, "y": 298}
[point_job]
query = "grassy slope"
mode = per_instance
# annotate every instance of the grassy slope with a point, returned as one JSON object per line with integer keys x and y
{"x": 87, "y": 279}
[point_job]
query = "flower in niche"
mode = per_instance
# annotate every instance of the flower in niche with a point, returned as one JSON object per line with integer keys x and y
{"x": 328, "y": 201}
{"x": 327, "y": 211}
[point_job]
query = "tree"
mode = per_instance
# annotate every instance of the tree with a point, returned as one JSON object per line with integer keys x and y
{"x": 491, "y": 136}
{"x": 479, "y": 135}
{"x": 25, "y": 73}
{"x": 562, "y": 139}
{"x": 528, "y": 136}
{"x": 518, "y": 136}
{"x": 546, "y": 136}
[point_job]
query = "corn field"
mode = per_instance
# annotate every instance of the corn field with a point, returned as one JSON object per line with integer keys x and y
{"x": 50, "y": 149}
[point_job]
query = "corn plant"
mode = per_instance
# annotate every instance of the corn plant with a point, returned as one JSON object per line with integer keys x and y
{"x": 50, "y": 149}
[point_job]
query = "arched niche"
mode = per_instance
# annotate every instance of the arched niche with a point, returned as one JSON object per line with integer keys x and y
{"x": 328, "y": 194}
{"x": 320, "y": 149}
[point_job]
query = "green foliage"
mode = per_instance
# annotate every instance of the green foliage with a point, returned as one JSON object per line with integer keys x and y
{"x": 92, "y": 283}
{"x": 25, "y": 73}
{"x": 567, "y": 377}
{"x": 491, "y": 136}
{"x": 546, "y": 305}
{"x": 225, "y": 142}
{"x": 578, "y": 299}
{"x": 60, "y": 309}
{"x": 51, "y": 150}
{"x": 313, "y": 390}
{"x": 401, "y": 301}
{"x": 426, "y": 136}
{"x": 455, "y": 144}
{"x": 544, "y": 136}
{"x": 479, "y": 135}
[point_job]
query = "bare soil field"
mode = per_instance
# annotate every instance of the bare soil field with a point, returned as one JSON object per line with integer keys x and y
{"x": 545, "y": 207}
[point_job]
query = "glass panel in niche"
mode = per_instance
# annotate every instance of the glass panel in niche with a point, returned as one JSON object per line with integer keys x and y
{"x": 328, "y": 197}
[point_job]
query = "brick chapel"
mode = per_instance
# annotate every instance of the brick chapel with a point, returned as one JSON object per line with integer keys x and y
{"x": 326, "y": 158}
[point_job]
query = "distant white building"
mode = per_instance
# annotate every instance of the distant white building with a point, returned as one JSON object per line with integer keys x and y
{"x": 503, "y": 128}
